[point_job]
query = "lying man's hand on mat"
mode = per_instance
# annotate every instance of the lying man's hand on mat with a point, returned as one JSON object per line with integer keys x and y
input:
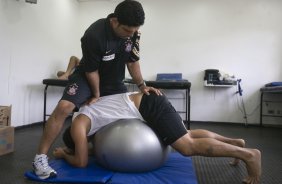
{"x": 59, "y": 152}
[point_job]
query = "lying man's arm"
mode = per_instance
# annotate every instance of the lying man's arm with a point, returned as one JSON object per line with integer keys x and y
{"x": 79, "y": 129}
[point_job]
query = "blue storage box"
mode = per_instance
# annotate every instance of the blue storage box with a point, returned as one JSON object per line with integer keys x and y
{"x": 169, "y": 76}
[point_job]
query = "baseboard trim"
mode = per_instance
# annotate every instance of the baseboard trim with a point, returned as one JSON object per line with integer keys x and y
{"x": 29, "y": 125}
{"x": 224, "y": 123}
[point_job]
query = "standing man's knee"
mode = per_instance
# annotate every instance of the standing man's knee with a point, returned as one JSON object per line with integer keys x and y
{"x": 75, "y": 60}
{"x": 64, "y": 108}
{"x": 72, "y": 58}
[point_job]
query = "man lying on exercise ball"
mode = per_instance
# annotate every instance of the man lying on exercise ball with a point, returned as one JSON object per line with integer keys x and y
{"x": 161, "y": 116}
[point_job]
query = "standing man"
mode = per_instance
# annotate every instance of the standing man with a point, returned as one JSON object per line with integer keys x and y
{"x": 107, "y": 46}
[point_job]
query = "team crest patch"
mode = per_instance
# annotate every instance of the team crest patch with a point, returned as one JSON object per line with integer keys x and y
{"x": 72, "y": 89}
{"x": 128, "y": 45}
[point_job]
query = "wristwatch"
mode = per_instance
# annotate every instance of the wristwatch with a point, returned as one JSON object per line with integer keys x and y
{"x": 141, "y": 84}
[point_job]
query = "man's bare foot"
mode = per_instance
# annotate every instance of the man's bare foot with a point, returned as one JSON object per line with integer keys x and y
{"x": 62, "y": 75}
{"x": 253, "y": 165}
{"x": 241, "y": 143}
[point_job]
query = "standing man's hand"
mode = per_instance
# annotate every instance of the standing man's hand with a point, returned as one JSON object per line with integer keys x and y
{"x": 92, "y": 100}
{"x": 146, "y": 89}
{"x": 93, "y": 79}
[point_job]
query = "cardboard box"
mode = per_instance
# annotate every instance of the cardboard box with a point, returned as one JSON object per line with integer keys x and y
{"x": 6, "y": 139}
{"x": 5, "y": 115}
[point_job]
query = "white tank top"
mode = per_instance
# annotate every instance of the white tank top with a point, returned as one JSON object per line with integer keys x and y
{"x": 109, "y": 109}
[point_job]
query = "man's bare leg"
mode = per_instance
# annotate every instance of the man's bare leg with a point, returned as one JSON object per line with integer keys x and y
{"x": 200, "y": 133}
{"x": 54, "y": 125}
{"x": 74, "y": 61}
{"x": 51, "y": 130}
{"x": 210, "y": 147}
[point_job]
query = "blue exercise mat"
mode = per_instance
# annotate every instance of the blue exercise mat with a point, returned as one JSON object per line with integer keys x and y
{"x": 69, "y": 174}
{"x": 177, "y": 169}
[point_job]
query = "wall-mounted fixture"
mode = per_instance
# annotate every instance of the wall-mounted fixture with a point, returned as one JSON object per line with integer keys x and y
{"x": 31, "y": 1}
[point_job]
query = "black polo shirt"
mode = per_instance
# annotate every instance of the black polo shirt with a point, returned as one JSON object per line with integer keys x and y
{"x": 103, "y": 51}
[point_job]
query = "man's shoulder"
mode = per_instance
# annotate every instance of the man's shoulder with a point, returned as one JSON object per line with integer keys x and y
{"x": 96, "y": 33}
{"x": 100, "y": 23}
{"x": 97, "y": 28}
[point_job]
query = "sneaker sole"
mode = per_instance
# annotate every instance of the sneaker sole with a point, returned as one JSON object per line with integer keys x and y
{"x": 43, "y": 177}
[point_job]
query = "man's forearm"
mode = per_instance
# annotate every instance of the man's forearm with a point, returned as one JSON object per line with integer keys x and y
{"x": 135, "y": 72}
{"x": 70, "y": 158}
{"x": 94, "y": 82}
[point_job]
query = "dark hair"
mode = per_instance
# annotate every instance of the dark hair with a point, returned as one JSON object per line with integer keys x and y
{"x": 68, "y": 139}
{"x": 130, "y": 13}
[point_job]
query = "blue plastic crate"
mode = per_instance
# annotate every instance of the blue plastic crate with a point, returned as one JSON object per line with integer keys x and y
{"x": 169, "y": 76}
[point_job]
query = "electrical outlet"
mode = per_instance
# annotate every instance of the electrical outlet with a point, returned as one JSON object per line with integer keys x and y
{"x": 270, "y": 111}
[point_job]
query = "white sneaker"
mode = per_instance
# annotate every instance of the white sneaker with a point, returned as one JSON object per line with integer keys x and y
{"x": 42, "y": 168}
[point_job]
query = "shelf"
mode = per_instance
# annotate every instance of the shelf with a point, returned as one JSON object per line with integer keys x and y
{"x": 271, "y": 101}
{"x": 216, "y": 85}
{"x": 270, "y": 115}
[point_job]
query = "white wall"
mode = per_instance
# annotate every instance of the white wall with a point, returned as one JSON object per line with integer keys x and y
{"x": 187, "y": 36}
{"x": 36, "y": 40}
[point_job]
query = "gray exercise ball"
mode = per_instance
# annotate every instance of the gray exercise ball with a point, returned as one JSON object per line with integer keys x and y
{"x": 129, "y": 145}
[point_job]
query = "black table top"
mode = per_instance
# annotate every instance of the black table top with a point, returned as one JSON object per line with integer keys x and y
{"x": 166, "y": 84}
{"x": 55, "y": 82}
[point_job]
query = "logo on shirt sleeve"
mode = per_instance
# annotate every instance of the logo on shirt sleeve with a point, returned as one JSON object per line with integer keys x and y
{"x": 128, "y": 45}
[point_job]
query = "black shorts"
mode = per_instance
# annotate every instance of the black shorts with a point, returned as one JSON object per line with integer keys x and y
{"x": 78, "y": 90}
{"x": 162, "y": 117}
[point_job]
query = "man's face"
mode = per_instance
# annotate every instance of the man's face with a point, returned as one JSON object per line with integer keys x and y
{"x": 123, "y": 31}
